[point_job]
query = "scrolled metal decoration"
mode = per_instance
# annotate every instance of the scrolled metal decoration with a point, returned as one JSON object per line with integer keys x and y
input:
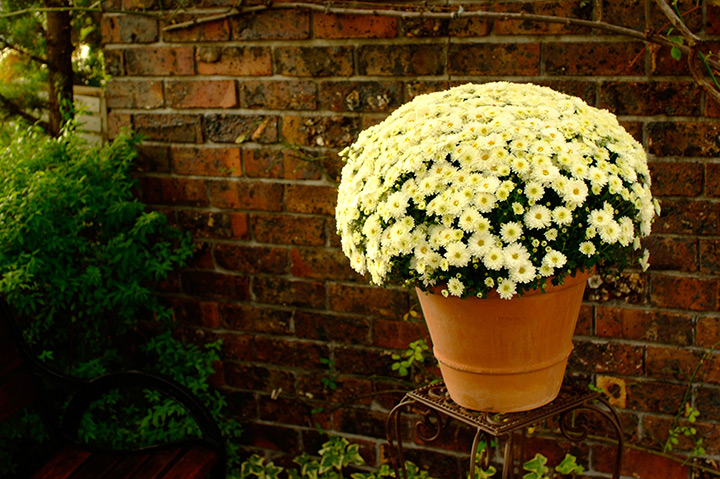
{"x": 428, "y": 429}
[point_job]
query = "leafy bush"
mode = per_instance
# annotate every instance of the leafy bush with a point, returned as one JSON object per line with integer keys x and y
{"x": 79, "y": 256}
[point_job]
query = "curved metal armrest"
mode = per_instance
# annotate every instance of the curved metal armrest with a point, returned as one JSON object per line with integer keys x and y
{"x": 95, "y": 388}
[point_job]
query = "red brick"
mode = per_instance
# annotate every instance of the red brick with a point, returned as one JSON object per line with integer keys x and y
{"x": 654, "y": 98}
{"x": 695, "y": 294}
{"x": 284, "y": 229}
{"x": 286, "y": 411}
{"x": 259, "y": 379}
{"x": 146, "y": 94}
{"x": 707, "y": 332}
{"x": 672, "y": 253}
{"x": 160, "y": 61}
{"x": 175, "y": 191}
{"x": 420, "y": 87}
{"x": 712, "y": 179}
{"x": 210, "y": 314}
{"x": 241, "y": 61}
{"x": 128, "y": 29}
{"x": 202, "y": 259}
{"x": 201, "y": 94}
{"x": 663, "y": 64}
{"x": 255, "y": 319}
{"x": 153, "y": 158}
{"x": 175, "y": 128}
{"x": 285, "y": 163}
{"x": 584, "y": 326}
{"x": 572, "y": 9}
{"x": 640, "y": 464}
{"x": 397, "y": 334}
{"x": 215, "y": 285}
{"x": 313, "y": 199}
{"x": 710, "y": 257}
{"x": 281, "y": 291}
{"x": 248, "y": 259}
{"x": 226, "y": 128}
{"x": 401, "y": 60}
{"x": 680, "y": 364}
{"x": 324, "y": 131}
{"x": 676, "y": 179}
{"x": 363, "y": 361}
{"x": 353, "y": 26}
{"x": 360, "y": 96}
{"x": 712, "y": 107}
{"x": 684, "y": 138}
{"x": 272, "y": 25}
{"x": 594, "y": 58}
{"x": 606, "y": 357}
{"x": 245, "y": 195}
{"x": 280, "y": 95}
{"x": 368, "y": 300}
{"x": 628, "y": 287}
{"x": 237, "y": 346}
{"x": 362, "y": 422}
{"x": 497, "y": 59}
{"x": 290, "y": 352}
{"x": 117, "y": 122}
{"x": 438, "y": 27}
{"x": 334, "y": 328}
{"x": 644, "y": 325}
{"x": 216, "y": 31}
{"x": 321, "y": 263}
{"x": 202, "y": 224}
{"x": 314, "y": 62}
{"x": 688, "y": 217}
{"x": 114, "y": 62}
{"x": 206, "y": 161}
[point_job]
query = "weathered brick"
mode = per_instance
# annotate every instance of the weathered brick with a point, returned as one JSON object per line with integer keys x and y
{"x": 640, "y": 464}
{"x": 360, "y": 96}
{"x": 671, "y": 178}
{"x": 397, "y": 334}
{"x": 314, "y": 62}
{"x": 114, "y": 62}
{"x": 226, "y": 128}
{"x": 202, "y": 259}
{"x": 573, "y": 9}
{"x": 284, "y": 229}
{"x": 713, "y": 19}
{"x": 663, "y": 64}
{"x": 255, "y": 319}
{"x": 335, "y": 328}
{"x": 687, "y": 217}
{"x": 272, "y": 25}
{"x": 707, "y": 331}
{"x": 153, "y": 158}
{"x": 628, "y": 287}
{"x": 420, "y": 87}
{"x": 432, "y": 27}
{"x": 273, "y": 163}
{"x": 313, "y": 199}
{"x": 215, "y": 285}
{"x": 324, "y": 131}
{"x": 679, "y": 364}
{"x": 128, "y": 29}
{"x": 248, "y": 259}
{"x": 695, "y": 294}
{"x": 201, "y": 94}
{"x": 175, "y": 191}
{"x": 670, "y": 98}
{"x": 203, "y": 224}
{"x": 672, "y": 253}
{"x": 216, "y": 31}
{"x": 710, "y": 257}
{"x": 586, "y": 90}
{"x": 401, "y": 60}
{"x": 238, "y": 346}
{"x": 259, "y": 379}
{"x": 246, "y": 195}
{"x": 644, "y": 325}
{"x": 712, "y": 179}
{"x": 361, "y": 421}
{"x": 281, "y": 291}
{"x": 606, "y": 357}
{"x": 177, "y": 128}
{"x": 117, "y": 122}
{"x": 147, "y": 94}
{"x": 496, "y": 59}
{"x": 160, "y": 61}
{"x": 241, "y": 61}
{"x": 594, "y": 58}
{"x": 363, "y": 361}
{"x": 328, "y": 25}
{"x": 629, "y": 13}
{"x": 281, "y": 95}
{"x": 290, "y": 352}
{"x": 684, "y": 138}
{"x": 368, "y": 300}
{"x": 584, "y": 325}
{"x": 321, "y": 263}
{"x": 286, "y": 411}
{"x": 206, "y": 161}
{"x": 708, "y": 403}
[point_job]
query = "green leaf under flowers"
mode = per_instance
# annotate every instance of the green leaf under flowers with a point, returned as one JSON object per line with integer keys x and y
{"x": 569, "y": 465}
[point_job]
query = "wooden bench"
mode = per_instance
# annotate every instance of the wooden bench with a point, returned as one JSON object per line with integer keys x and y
{"x": 21, "y": 385}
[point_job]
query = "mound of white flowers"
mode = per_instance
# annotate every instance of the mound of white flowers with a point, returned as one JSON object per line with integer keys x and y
{"x": 493, "y": 187}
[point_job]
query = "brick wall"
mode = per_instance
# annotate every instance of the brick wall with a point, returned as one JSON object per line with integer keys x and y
{"x": 244, "y": 117}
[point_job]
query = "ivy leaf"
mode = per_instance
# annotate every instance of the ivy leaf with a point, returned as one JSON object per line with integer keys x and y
{"x": 676, "y": 53}
{"x": 569, "y": 466}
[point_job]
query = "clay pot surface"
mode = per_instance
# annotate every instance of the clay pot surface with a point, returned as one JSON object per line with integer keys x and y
{"x": 502, "y": 355}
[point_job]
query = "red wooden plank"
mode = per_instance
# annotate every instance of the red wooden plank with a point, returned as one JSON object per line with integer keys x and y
{"x": 97, "y": 466}
{"x": 128, "y": 466}
{"x": 16, "y": 393}
{"x": 195, "y": 463}
{"x": 63, "y": 464}
{"x": 157, "y": 463}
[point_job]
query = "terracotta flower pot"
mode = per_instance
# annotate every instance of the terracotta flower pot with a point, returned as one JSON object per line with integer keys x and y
{"x": 502, "y": 355}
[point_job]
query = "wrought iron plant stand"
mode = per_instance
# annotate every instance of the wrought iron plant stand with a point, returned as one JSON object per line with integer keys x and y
{"x": 436, "y": 410}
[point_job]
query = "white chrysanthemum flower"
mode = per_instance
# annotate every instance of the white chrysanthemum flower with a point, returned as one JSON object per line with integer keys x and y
{"x": 489, "y": 282}
{"x": 538, "y": 217}
{"x": 562, "y": 216}
{"x": 518, "y": 208}
{"x": 515, "y": 254}
{"x": 494, "y": 258}
{"x": 545, "y": 271}
{"x": 480, "y": 243}
{"x": 521, "y": 166}
{"x": 554, "y": 259}
{"x": 551, "y": 234}
{"x": 372, "y": 228}
{"x": 600, "y": 218}
{"x": 506, "y": 289}
{"x": 485, "y": 202}
{"x": 457, "y": 254}
{"x": 469, "y": 220}
{"x": 455, "y": 287}
{"x": 597, "y": 176}
{"x": 534, "y": 190}
{"x": 575, "y": 192}
{"x": 587, "y": 248}
{"x": 645, "y": 260}
{"x": 610, "y": 233}
{"x": 627, "y": 231}
{"x": 523, "y": 273}
{"x": 511, "y": 232}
